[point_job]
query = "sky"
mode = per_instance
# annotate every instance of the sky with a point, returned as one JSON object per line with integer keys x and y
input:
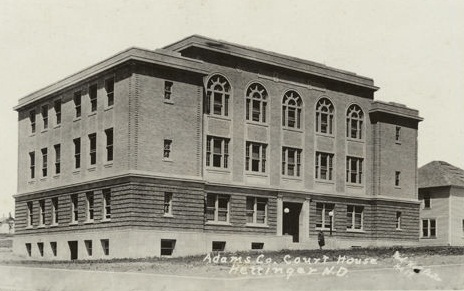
{"x": 414, "y": 51}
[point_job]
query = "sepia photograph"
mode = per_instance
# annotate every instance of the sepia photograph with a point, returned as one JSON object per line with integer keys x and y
{"x": 232, "y": 145}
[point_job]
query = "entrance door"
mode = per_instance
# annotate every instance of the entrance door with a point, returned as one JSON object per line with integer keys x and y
{"x": 73, "y": 249}
{"x": 291, "y": 220}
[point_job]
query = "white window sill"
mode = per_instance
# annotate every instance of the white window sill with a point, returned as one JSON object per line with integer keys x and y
{"x": 76, "y": 172}
{"x": 44, "y": 130}
{"x": 397, "y": 187}
{"x": 217, "y": 223}
{"x": 92, "y": 113}
{"x": 432, "y": 237}
{"x": 356, "y": 230}
{"x": 108, "y": 108}
{"x": 257, "y": 225}
{"x": 399, "y": 229}
{"x": 43, "y": 179}
{"x": 77, "y": 119}
{"x": 168, "y": 215}
{"x": 57, "y": 176}
{"x": 325, "y": 229}
{"x": 32, "y": 134}
{"x": 328, "y": 182}
{"x": 357, "y": 140}
{"x": 41, "y": 226}
{"x": 292, "y": 178}
{"x": 218, "y": 170}
{"x": 92, "y": 169}
{"x": 299, "y": 130}
{"x": 168, "y": 101}
{"x": 89, "y": 221}
{"x": 105, "y": 220}
{"x": 221, "y": 117}
{"x": 31, "y": 182}
{"x": 258, "y": 174}
{"x": 73, "y": 223}
{"x": 108, "y": 164}
{"x": 325, "y": 134}
{"x": 397, "y": 142}
{"x": 257, "y": 123}
{"x": 54, "y": 225}
{"x": 29, "y": 227}
{"x": 57, "y": 126}
{"x": 169, "y": 160}
{"x": 353, "y": 185}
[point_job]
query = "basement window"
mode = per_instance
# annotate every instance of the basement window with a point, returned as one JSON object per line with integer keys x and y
{"x": 257, "y": 245}
{"x": 167, "y": 247}
{"x": 29, "y": 249}
{"x": 218, "y": 246}
{"x": 40, "y": 246}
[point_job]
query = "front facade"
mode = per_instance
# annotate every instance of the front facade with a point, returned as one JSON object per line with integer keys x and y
{"x": 441, "y": 193}
{"x": 209, "y": 146}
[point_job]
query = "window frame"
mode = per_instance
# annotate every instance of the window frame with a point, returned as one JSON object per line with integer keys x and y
{"x": 224, "y": 94}
{"x": 426, "y": 197}
{"x": 74, "y": 208}
{"x": 42, "y": 212}
{"x": 33, "y": 121}
{"x": 90, "y": 206}
{"x": 109, "y": 93}
{"x": 398, "y": 220}
{"x": 57, "y": 148}
{"x": 54, "y": 248}
{"x": 88, "y": 243}
{"x": 429, "y": 228}
{"x": 216, "y": 209}
{"x": 250, "y": 158}
{"x": 105, "y": 243}
{"x": 30, "y": 213}
{"x": 109, "y": 144}
{"x": 169, "y": 246}
{"x": 32, "y": 165}
{"x": 356, "y": 211}
{"x": 257, "y": 95}
{"x": 55, "y": 206}
{"x": 44, "y": 152}
{"x": 167, "y": 206}
{"x": 325, "y": 119}
{"x": 398, "y": 134}
{"x": 357, "y": 171}
{"x": 44, "y": 112}
{"x": 167, "y": 149}
{"x": 255, "y": 201}
{"x": 57, "y": 109}
{"x": 357, "y": 121}
{"x": 211, "y": 154}
{"x": 397, "y": 179}
{"x": 93, "y": 97}
{"x": 296, "y": 164}
{"x": 324, "y": 212}
{"x": 168, "y": 90}
{"x": 328, "y": 167}
{"x": 106, "y": 193}
{"x": 77, "y": 152}
{"x": 93, "y": 149}
{"x": 291, "y": 96}
{"x": 77, "y": 99}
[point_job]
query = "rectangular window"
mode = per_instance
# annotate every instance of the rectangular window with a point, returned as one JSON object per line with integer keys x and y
{"x": 397, "y": 178}
{"x": 354, "y": 168}
{"x": 55, "y": 210}
{"x": 40, "y": 246}
{"x": 429, "y": 228}
{"x": 44, "y": 162}
{"x": 291, "y": 162}
{"x": 109, "y": 88}
{"x": 93, "y": 97}
{"x": 41, "y": 212}
{"x": 324, "y": 166}
{"x": 32, "y": 164}
{"x": 32, "y": 120}
{"x": 57, "y": 107}
{"x": 257, "y": 245}
{"x": 109, "y": 144}
{"x": 167, "y": 203}
{"x": 427, "y": 201}
{"x": 105, "y": 246}
{"x": 398, "y": 220}
{"x": 29, "y": 249}
{"x": 354, "y": 215}
{"x": 218, "y": 246}
{"x": 30, "y": 214}
{"x": 77, "y": 104}
{"x": 256, "y": 210}
{"x": 217, "y": 207}
{"x": 53, "y": 248}
{"x": 57, "y": 158}
{"x": 167, "y": 90}
{"x": 463, "y": 226}
{"x": 167, "y": 148}
{"x": 45, "y": 116}
{"x": 77, "y": 152}
{"x": 106, "y": 203}
{"x": 88, "y": 247}
{"x": 74, "y": 208}
{"x": 93, "y": 148}
{"x": 324, "y": 219}
{"x": 217, "y": 152}
{"x": 397, "y": 133}
{"x": 167, "y": 247}
{"x": 90, "y": 205}
{"x": 255, "y": 157}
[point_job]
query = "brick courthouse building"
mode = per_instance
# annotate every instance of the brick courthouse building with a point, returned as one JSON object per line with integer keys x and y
{"x": 206, "y": 145}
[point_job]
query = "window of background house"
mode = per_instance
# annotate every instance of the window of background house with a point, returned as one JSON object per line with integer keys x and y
{"x": 397, "y": 178}
{"x": 426, "y": 201}
{"x": 32, "y": 120}
{"x": 397, "y": 133}
{"x": 429, "y": 228}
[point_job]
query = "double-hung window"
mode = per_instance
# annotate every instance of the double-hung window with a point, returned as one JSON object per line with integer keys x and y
{"x": 106, "y": 204}
{"x": 77, "y": 152}
{"x": 217, "y": 96}
{"x": 90, "y": 206}
{"x": 323, "y": 217}
{"x": 256, "y": 210}
{"x": 256, "y": 102}
{"x": 30, "y": 214}
{"x": 57, "y": 107}
{"x": 426, "y": 201}
{"x": 217, "y": 152}
{"x": 324, "y": 116}
{"x": 354, "y": 168}
{"x": 291, "y": 162}
{"x": 54, "y": 210}
{"x": 324, "y": 166}
{"x": 74, "y": 208}
{"x": 167, "y": 147}
{"x": 291, "y": 110}
{"x": 45, "y": 116}
{"x": 167, "y": 203}
{"x": 42, "y": 212}
{"x": 167, "y": 90}
{"x": 354, "y": 215}
{"x": 429, "y": 228}
{"x": 93, "y": 97}
{"x": 109, "y": 144}
{"x": 109, "y": 88}
{"x": 255, "y": 157}
{"x": 398, "y": 220}
{"x": 77, "y": 104}
{"x": 44, "y": 162}
{"x": 57, "y": 158}
{"x": 217, "y": 207}
{"x": 32, "y": 164}
{"x": 93, "y": 148}
{"x": 354, "y": 122}
{"x": 32, "y": 120}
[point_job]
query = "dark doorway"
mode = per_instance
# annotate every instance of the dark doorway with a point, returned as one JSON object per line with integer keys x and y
{"x": 73, "y": 249}
{"x": 291, "y": 220}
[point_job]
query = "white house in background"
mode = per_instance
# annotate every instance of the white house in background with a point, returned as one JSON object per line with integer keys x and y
{"x": 441, "y": 192}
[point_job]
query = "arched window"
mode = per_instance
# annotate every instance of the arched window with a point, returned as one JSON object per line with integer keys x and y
{"x": 354, "y": 122}
{"x": 291, "y": 110}
{"x": 217, "y": 96}
{"x": 256, "y": 101}
{"x": 324, "y": 116}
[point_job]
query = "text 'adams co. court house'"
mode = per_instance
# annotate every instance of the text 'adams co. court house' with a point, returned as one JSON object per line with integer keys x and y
{"x": 208, "y": 146}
